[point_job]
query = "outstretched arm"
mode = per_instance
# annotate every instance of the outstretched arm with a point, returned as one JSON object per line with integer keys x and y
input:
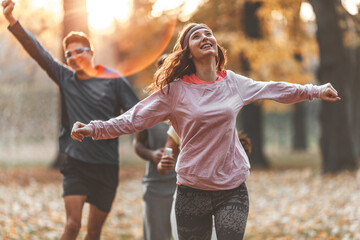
{"x": 283, "y": 92}
{"x": 54, "y": 68}
{"x": 145, "y": 114}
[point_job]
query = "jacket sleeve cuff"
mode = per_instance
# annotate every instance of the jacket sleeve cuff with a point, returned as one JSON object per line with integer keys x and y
{"x": 315, "y": 92}
{"x": 14, "y": 27}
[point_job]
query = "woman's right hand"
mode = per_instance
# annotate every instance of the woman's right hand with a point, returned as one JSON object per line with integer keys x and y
{"x": 80, "y": 130}
{"x": 166, "y": 164}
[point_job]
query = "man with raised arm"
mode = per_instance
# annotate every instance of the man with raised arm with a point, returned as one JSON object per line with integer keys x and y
{"x": 87, "y": 92}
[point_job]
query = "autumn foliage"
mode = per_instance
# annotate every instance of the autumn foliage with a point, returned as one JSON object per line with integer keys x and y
{"x": 287, "y": 204}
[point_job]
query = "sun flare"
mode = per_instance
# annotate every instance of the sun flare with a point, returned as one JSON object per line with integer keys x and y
{"x": 135, "y": 39}
{"x": 306, "y": 12}
{"x": 101, "y": 15}
{"x": 351, "y": 6}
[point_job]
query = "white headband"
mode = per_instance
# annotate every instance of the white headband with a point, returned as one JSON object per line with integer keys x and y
{"x": 191, "y": 31}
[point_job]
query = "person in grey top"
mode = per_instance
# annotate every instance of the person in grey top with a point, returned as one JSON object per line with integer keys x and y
{"x": 87, "y": 92}
{"x": 158, "y": 188}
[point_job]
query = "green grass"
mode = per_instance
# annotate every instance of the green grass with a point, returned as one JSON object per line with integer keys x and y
{"x": 23, "y": 164}
{"x": 294, "y": 159}
{"x": 278, "y": 160}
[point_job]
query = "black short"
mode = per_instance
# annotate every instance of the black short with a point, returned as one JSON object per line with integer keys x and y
{"x": 97, "y": 181}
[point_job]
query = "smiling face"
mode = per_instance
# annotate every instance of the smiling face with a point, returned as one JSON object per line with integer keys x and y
{"x": 79, "y": 57}
{"x": 202, "y": 44}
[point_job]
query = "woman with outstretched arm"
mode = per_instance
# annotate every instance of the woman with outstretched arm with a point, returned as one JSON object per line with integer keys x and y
{"x": 202, "y": 100}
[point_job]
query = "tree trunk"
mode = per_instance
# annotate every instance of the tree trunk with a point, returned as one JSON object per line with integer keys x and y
{"x": 351, "y": 32}
{"x": 252, "y": 114}
{"x": 75, "y": 19}
{"x": 299, "y": 127}
{"x": 337, "y": 145}
{"x": 75, "y": 16}
{"x": 299, "y": 140}
{"x": 253, "y": 127}
{"x": 356, "y": 95}
{"x": 354, "y": 63}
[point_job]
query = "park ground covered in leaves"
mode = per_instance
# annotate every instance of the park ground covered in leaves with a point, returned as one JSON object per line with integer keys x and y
{"x": 284, "y": 204}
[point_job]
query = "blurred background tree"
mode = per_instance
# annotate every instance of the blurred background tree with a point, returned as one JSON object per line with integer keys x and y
{"x": 28, "y": 99}
{"x": 265, "y": 40}
{"x": 338, "y": 36}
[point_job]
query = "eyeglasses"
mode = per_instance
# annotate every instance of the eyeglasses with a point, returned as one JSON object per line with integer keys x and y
{"x": 79, "y": 51}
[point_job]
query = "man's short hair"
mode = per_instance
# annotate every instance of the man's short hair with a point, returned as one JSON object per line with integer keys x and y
{"x": 78, "y": 37}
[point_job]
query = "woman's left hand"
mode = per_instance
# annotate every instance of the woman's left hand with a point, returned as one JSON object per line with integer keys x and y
{"x": 328, "y": 93}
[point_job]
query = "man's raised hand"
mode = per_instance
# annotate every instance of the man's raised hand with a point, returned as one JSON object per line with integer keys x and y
{"x": 8, "y": 7}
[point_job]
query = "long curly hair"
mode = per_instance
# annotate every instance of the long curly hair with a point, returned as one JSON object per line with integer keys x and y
{"x": 178, "y": 63}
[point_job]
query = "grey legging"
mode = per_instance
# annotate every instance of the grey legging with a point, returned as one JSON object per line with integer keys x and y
{"x": 194, "y": 209}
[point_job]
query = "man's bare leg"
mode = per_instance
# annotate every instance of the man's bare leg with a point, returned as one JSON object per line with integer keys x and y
{"x": 95, "y": 223}
{"x": 73, "y": 206}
